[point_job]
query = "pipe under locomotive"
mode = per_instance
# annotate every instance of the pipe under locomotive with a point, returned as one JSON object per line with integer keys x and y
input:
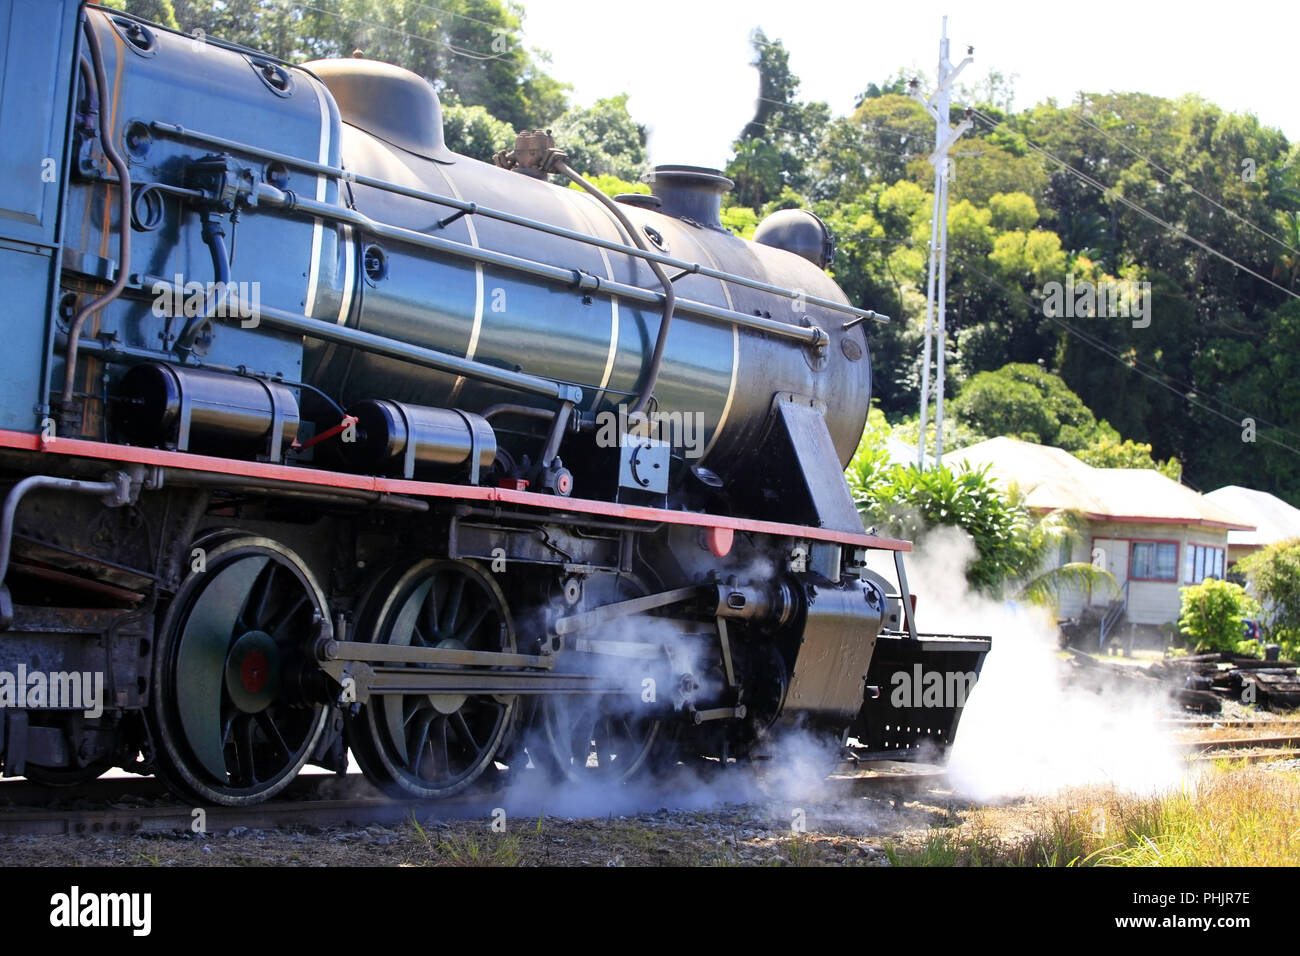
{"x": 319, "y": 437}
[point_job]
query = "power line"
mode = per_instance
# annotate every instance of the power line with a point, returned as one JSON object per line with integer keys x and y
{"x": 1138, "y": 367}
{"x": 458, "y": 51}
{"x": 462, "y": 16}
{"x": 1183, "y": 183}
{"x": 1109, "y": 191}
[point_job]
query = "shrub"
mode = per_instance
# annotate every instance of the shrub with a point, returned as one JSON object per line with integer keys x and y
{"x": 907, "y": 502}
{"x": 1213, "y": 613}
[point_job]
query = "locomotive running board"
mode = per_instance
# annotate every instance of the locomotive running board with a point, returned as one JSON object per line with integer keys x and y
{"x": 230, "y": 470}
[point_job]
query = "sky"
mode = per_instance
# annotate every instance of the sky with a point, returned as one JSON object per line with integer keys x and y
{"x": 685, "y": 63}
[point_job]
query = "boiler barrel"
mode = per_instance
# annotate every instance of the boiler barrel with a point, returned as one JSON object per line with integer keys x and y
{"x": 723, "y": 377}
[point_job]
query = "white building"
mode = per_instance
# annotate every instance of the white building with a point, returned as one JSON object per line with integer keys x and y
{"x": 1274, "y": 519}
{"x": 1152, "y": 533}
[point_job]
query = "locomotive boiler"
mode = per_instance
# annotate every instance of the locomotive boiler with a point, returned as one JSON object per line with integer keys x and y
{"x": 321, "y": 438}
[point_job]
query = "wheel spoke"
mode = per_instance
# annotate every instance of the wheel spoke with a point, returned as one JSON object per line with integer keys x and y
{"x": 273, "y": 732}
{"x": 254, "y": 612}
{"x": 430, "y": 609}
{"x": 244, "y": 757}
{"x": 453, "y": 606}
{"x": 419, "y": 738}
{"x": 466, "y": 633}
{"x": 286, "y": 616}
{"x": 446, "y": 750}
{"x": 462, "y": 729}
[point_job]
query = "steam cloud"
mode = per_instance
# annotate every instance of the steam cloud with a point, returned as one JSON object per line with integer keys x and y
{"x": 1023, "y": 730}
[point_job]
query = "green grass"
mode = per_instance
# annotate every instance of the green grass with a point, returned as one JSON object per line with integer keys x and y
{"x": 467, "y": 849}
{"x": 1237, "y": 817}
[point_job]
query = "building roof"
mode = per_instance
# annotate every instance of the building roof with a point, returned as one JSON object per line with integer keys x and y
{"x": 899, "y": 453}
{"x": 1274, "y": 519}
{"x": 1052, "y": 478}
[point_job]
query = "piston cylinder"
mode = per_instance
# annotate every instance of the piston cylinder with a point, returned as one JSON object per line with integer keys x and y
{"x": 199, "y": 410}
{"x": 410, "y": 440}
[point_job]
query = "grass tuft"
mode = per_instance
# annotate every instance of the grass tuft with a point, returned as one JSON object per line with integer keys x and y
{"x": 1244, "y": 816}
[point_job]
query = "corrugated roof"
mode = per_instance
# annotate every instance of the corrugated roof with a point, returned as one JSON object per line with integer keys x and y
{"x": 899, "y": 453}
{"x": 1052, "y": 478}
{"x": 1274, "y": 519}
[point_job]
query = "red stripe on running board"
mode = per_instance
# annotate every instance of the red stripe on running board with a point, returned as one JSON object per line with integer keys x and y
{"x": 232, "y": 467}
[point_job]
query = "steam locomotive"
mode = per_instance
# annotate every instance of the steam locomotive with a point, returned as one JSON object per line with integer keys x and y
{"x": 317, "y": 437}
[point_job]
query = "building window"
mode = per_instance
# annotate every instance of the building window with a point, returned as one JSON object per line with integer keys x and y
{"x": 1153, "y": 561}
{"x": 1201, "y": 562}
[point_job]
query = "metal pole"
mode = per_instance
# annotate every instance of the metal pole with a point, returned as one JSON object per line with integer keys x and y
{"x": 937, "y": 105}
{"x": 941, "y": 334}
{"x": 929, "y": 330}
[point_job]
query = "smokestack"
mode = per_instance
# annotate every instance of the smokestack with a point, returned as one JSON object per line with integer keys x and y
{"x": 692, "y": 193}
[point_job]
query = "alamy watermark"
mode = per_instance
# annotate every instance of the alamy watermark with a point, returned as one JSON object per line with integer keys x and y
{"x": 684, "y": 430}
{"x": 1108, "y": 299}
{"x": 58, "y": 690}
{"x": 921, "y": 688}
{"x": 216, "y": 300}
{"x": 75, "y": 908}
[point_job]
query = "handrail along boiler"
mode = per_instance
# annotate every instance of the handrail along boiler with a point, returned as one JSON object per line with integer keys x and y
{"x": 317, "y": 436}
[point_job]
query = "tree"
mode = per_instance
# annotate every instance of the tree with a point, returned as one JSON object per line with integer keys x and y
{"x": 471, "y": 50}
{"x": 897, "y": 130}
{"x": 896, "y": 85}
{"x": 907, "y": 502}
{"x": 159, "y": 11}
{"x": 603, "y": 139}
{"x": 1106, "y": 452}
{"x": 777, "y": 85}
{"x": 1027, "y": 402}
{"x": 778, "y": 146}
{"x": 473, "y": 131}
{"x": 1273, "y": 573}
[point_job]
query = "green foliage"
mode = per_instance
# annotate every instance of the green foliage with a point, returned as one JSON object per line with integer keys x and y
{"x": 741, "y": 220}
{"x": 612, "y": 185}
{"x": 777, "y": 148}
{"x": 473, "y": 131}
{"x": 1018, "y": 221}
{"x": 471, "y": 50}
{"x": 1273, "y": 574}
{"x": 1045, "y": 589}
{"x": 1109, "y": 453}
{"x": 1027, "y": 402}
{"x": 159, "y": 11}
{"x": 603, "y": 139}
{"x": 1011, "y": 545}
{"x": 1013, "y": 211}
{"x": 906, "y": 502}
{"x": 896, "y": 131}
{"x": 1034, "y": 256}
{"x": 1213, "y": 613}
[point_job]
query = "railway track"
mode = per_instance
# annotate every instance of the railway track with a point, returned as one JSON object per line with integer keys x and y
{"x": 126, "y": 806}
{"x": 1243, "y": 743}
{"x": 1285, "y": 723}
{"x": 1245, "y": 749}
